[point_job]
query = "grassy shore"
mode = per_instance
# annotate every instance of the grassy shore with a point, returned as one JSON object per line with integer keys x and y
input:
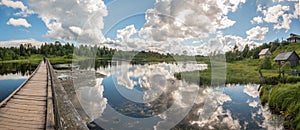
{"x": 245, "y": 71}
{"x": 36, "y": 58}
{"x": 284, "y": 99}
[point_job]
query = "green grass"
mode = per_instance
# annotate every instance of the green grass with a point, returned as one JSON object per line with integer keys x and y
{"x": 36, "y": 58}
{"x": 291, "y": 47}
{"x": 245, "y": 71}
{"x": 284, "y": 99}
{"x": 31, "y": 59}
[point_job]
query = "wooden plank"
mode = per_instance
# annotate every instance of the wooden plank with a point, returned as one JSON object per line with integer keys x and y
{"x": 33, "y": 94}
{"x": 10, "y": 127}
{"x": 16, "y": 110}
{"x": 35, "y": 84}
{"x": 43, "y": 92}
{"x": 22, "y": 113}
{"x": 39, "y": 77}
{"x": 32, "y": 81}
{"x": 16, "y": 125}
{"x": 24, "y": 118}
{"x": 27, "y": 102}
{"x": 32, "y": 105}
{"x": 26, "y": 107}
{"x": 33, "y": 90}
{"x": 21, "y": 120}
{"x": 38, "y": 87}
{"x": 33, "y": 98}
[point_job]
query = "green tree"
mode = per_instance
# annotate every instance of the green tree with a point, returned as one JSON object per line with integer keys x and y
{"x": 245, "y": 51}
{"x": 274, "y": 46}
{"x": 255, "y": 54}
{"x": 266, "y": 63}
{"x": 22, "y": 50}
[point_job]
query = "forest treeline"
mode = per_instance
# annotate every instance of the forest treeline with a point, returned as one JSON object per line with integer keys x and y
{"x": 67, "y": 50}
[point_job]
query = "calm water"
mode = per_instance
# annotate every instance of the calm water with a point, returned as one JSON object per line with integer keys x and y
{"x": 148, "y": 96}
{"x": 12, "y": 75}
{"x": 8, "y": 86}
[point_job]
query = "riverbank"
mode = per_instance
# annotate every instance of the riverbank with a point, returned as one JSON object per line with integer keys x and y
{"x": 237, "y": 72}
{"x": 283, "y": 99}
{"x": 36, "y": 58}
{"x": 245, "y": 71}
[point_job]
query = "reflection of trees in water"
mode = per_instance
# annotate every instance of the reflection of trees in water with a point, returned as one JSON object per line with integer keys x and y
{"x": 105, "y": 63}
{"x": 92, "y": 63}
{"x": 16, "y": 68}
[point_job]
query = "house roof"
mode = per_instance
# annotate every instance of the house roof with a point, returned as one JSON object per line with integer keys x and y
{"x": 292, "y": 36}
{"x": 284, "y": 56}
{"x": 263, "y": 51}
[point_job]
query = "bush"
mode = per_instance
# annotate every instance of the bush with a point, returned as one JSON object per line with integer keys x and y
{"x": 292, "y": 79}
{"x": 266, "y": 63}
{"x": 275, "y": 65}
{"x": 272, "y": 80}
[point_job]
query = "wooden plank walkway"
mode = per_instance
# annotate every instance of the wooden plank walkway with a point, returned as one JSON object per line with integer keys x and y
{"x": 27, "y": 107}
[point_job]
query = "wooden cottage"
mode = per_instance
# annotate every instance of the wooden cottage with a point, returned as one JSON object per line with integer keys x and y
{"x": 291, "y": 57}
{"x": 264, "y": 53}
{"x": 294, "y": 38}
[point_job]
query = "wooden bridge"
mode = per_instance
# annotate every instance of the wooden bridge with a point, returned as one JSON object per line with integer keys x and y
{"x": 39, "y": 103}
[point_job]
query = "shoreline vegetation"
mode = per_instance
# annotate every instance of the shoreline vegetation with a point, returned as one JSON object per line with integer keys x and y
{"x": 279, "y": 90}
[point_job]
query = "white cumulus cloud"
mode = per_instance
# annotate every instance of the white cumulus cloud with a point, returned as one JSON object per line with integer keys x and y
{"x": 188, "y": 19}
{"x": 78, "y": 20}
{"x": 17, "y": 43}
{"x": 76, "y": 30}
{"x": 18, "y": 22}
{"x": 280, "y": 16}
{"x": 13, "y": 4}
{"x": 257, "y": 33}
{"x": 17, "y": 5}
{"x": 273, "y": 13}
{"x": 257, "y": 19}
{"x": 171, "y": 22}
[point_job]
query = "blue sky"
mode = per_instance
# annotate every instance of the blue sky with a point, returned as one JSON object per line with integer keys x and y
{"x": 244, "y": 15}
{"x": 122, "y": 13}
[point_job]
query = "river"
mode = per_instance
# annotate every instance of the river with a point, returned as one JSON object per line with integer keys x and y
{"x": 148, "y": 96}
{"x": 12, "y": 75}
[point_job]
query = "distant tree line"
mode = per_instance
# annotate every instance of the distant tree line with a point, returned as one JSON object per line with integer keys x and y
{"x": 24, "y": 51}
{"x": 67, "y": 50}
